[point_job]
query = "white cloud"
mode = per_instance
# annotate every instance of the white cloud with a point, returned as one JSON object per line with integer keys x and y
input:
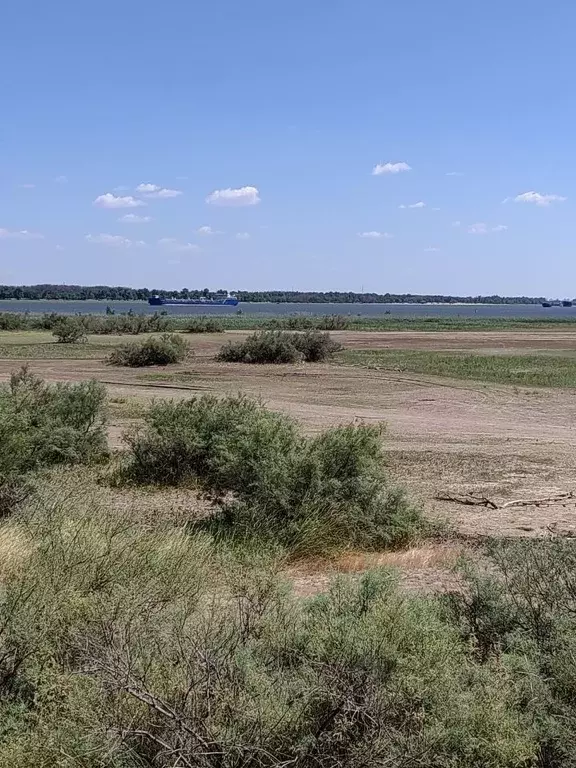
{"x": 171, "y": 244}
{"x": 166, "y": 193}
{"x": 117, "y": 241}
{"x": 375, "y": 235}
{"x": 242, "y": 236}
{"x": 133, "y": 218}
{"x": 482, "y": 229}
{"x": 22, "y": 234}
{"x": 206, "y": 231}
{"x": 435, "y": 209}
{"x": 153, "y": 190}
{"x": 537, "y": 198}
{"x": 111, "y": 201}
{"x": 385, "y": 168}
{"x": 454, "y": 173}
{"x": 234, "y": 197}
{"x": 59, "y": 247}
{"x": 61, "y": 180}
{"x": 27, "y": 186}
{"x": 456, "y": 223}
{"x": 419, "y": 204}
{"x": 431, "y": 249}
{"x": 146, "y": 189}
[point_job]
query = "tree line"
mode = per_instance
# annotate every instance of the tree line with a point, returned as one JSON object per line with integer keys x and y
{"x": 122, "y": 293}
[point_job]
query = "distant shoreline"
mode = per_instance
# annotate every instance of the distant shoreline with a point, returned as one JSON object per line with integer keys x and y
{"x": 315, "y": 303}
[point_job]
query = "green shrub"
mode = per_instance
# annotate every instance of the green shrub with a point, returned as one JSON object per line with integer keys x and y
{"x": 109, "y": 324}
{"x": 124, "y": 647}
{"x": 163, "y": 350}
{"x": 523, "y": 614}
{"x": 14, "y": 321}
{"x": 261, "y": 347}
{"x": 69, "y": 330}
{"x": 266, "y": 478}
{"x": 280, "y": 347}
{"x": 309, "y": 323}
{"x": 316, "y": 347}
{"x": 204, "y": 325}
{"x": 43, "y": 425}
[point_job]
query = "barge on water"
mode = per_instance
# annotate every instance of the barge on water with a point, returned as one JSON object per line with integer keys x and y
{"x": 226, "y": 301}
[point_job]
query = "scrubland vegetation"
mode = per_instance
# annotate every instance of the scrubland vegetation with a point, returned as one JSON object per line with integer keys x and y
{"x": 280, "y": 347}
{"x": 133, "y": 323}
{"x": 130, "y": 640}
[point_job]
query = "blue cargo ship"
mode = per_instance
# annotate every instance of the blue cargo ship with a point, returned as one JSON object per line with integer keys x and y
{"x": 227, "y": 301}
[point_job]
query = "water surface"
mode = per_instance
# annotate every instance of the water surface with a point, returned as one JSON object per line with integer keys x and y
{"x": 363, "y": 310}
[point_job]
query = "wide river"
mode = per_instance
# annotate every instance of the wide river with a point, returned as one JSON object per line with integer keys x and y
{"x": 395, "y": 310}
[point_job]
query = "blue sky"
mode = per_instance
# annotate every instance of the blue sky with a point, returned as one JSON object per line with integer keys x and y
{"x": 313, "y": 121}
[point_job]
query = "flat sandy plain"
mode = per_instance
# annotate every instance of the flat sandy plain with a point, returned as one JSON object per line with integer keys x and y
{"x": 443, "y": 436}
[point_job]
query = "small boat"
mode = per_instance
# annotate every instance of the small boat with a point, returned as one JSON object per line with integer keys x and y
{"x": 546, "y": 304}
{"x": 566, "y": 303}
{"x": 226, "y": 301}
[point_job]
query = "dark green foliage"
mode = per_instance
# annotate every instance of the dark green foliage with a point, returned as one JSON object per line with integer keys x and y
{"x": 43, "y": 425}
{"x": 122, "y": 293}
{"x": 14, "y": 321}
{"x": 266, "y": 478}
{"x": 155, "y": 350}
{"x": 280, "y": 347}
{"x": 15, "y": 489}
{"x": 68, "y": 330}
{"x": 204, "y": 325}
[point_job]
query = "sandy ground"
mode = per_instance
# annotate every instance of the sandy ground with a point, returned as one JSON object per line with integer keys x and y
{"x": 442, "y": 436}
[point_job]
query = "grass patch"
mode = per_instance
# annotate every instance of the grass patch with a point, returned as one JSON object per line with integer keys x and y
{"x": 520, "y": 370}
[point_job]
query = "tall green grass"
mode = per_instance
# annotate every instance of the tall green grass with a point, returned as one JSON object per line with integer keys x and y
{"x": 520, "y": 370}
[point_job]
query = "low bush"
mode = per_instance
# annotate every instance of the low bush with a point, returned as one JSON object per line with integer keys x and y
{"x": 43, "y": 425}
{"x": 204, "y": 325}
{"x": 280, "y": 347}
{"x": 316, "y": 347}
{"x": 309, "y": 323}
{"x": 101, "y": 325}
{"x": 266, "y": 478}
{"x": 68, "y": 330}
{"x": 522, "y": 614}
{"x": 14, "y": 321}
{"x": 122, "y": 646}
{"x": 155, "y": 350}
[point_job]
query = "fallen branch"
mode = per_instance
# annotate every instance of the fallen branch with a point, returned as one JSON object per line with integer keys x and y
{"x": 483, "y": 501}
{"x": 472, "y": 501}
